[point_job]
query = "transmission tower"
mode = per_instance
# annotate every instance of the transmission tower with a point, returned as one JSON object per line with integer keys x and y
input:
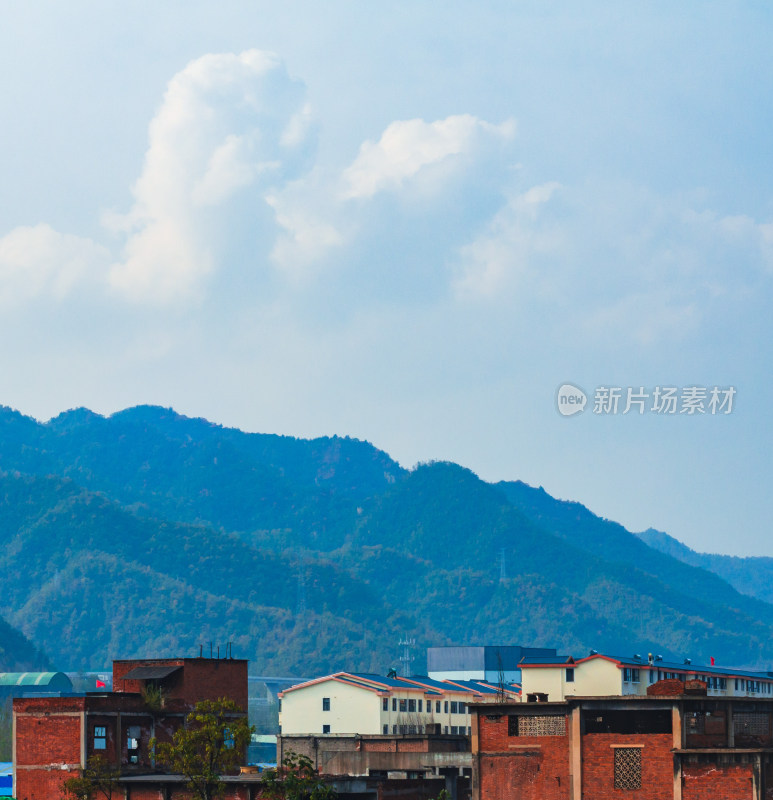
{"x": 300, "y": 602}
{"x": 406, "y": 659}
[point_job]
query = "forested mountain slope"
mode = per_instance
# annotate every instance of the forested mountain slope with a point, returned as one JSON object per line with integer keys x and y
{"x": 148, "y": 533}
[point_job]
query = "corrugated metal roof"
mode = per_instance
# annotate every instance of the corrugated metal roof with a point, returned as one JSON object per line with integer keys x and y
{"x": 43, "y": 679}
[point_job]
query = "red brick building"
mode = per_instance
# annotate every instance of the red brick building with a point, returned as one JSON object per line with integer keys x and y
{"x": 54, "y": 736}
{"x": 665, "y": 746}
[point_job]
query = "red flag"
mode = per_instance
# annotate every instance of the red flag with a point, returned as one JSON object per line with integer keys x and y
{"x": 712, "y": 661}
{"x": 101, "y": 684}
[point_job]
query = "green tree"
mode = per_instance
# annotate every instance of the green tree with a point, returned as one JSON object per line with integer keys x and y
{"x": 211, "y": 743}
{"x": 296, "y": 779}
{"x": 99, "y": 777}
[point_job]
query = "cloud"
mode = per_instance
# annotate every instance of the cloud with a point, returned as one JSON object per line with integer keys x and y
{"x": 406, "y": 147}
{"x": 37, "y": 261}
{"x": 420, "y": 187}
{"x": 228, "y": 123}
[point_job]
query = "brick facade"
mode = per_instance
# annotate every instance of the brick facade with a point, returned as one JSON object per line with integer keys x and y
{"x": 55, "y": 736}
{"x": 661, "y": 747}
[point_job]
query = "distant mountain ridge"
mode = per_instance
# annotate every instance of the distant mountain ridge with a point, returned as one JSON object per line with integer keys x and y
{"x": 150, "y": 533}
{"x": 750, "y": 575}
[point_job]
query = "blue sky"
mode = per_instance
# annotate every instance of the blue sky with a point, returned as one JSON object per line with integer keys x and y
{"x": 409, "y": 223}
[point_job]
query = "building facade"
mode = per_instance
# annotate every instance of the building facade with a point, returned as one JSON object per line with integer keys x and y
{"x": 599, "y": 675}
{"x": 677, "y": 743}
{"x": 493, "y": 664}
{"x": 359, "y": 703}
{"x": 53, "y": 737}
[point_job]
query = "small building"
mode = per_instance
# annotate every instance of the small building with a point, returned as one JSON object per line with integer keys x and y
{"x": 600, "y": 675}
{"x": 675, "y": 743}
{"x": 490, "y": 663}
{"x": 54, "y": 736}
{"x": 360, "y": 703}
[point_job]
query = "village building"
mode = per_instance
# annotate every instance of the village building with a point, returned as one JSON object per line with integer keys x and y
{"x": 55, "y": 736}
{"x": 361, "y": 703}
{"x": 556, "y": 678}
{"x": 675, "y": 743}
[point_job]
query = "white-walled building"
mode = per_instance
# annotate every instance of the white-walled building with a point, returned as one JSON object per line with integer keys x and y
{"x": 600, "y": 675}
{"x": 358, "y": 703}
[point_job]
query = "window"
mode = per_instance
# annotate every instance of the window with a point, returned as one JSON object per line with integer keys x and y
{"x": 279, "y": 704}
{"x": 445, "y": 729}
{"x": 394, "y": 704}
{"x": 454, "y": 730}
{"x": 627, "y": 767}
{"x": 461, "y": 708}
{"x": 385, "y": 704}
{"x": 437, "y": 706}
{"x": 630, "y": 675}
{"x": 469, "y": 730}
{"x": 228, "y": 739}
{"x": 570, "y": 674}
{"x": 652, "y": 676}
{"x": 403, "y": 705}
{"x": 453, "y": 707}
{"x": 628, "y": 722}
{"x": 445, "y": 707}
{"x": 326, "y": 704}
{"x": 386, "y": 729}
{"x": 420, "y": 703}
{"x": 326, "y": 729}
{"x": 394, "y": 729}
{"x": 412, "y": 705}
{"x": 411, "y": 729}
{"x": 133, "y": 744}
{"x": 100, "y": 737}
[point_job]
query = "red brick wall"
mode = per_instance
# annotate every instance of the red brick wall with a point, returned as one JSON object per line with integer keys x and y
{"x": 40, "y": 784}
{"x": 48, "y": 740}
{"x": 712, "y": 782}
{"x": 527, "y": 767}
{"x": 657, "y": 762}
{"x": 202, "y": 679}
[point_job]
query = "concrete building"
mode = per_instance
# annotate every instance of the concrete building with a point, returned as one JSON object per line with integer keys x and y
{"x": 54, "y": 736}
{"x": 489, "y": 663}
{"x": 676, "y": 743}
{"x": 359, "y": 703}
{"x": 600, "y": 675}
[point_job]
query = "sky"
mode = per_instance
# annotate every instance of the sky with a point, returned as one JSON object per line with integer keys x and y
{"x": 410, "y": 223}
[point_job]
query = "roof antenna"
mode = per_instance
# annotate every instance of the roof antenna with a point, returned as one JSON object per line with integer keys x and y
{"x": 201, "y": 651}
{"x": 218, "y": 652}
{"x": 210, "y": 649}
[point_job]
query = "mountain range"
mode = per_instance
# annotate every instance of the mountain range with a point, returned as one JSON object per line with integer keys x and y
{"x": 147, "y": 533}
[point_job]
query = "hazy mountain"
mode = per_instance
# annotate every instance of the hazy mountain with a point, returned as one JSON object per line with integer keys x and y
{"x": 751, "y": 575}
{"x": 148, "y": 533}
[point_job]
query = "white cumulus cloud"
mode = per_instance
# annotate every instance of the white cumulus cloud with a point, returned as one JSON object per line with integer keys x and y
{"x": 408, "y": 146}
{"x": 228, "y": 123}
{"x": 38, "y": 261}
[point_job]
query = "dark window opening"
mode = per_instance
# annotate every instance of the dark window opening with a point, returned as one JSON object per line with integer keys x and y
{"x": 100, "y": 737}
{"x": 628, "y": 722}
{"x": 570, "y": 674}
{"x": 326, "y": 704}
{"x": 133, "y": 744}
{"x": 412, "y": 705}
{"x": 385, "y": 704}
{"x": 326, "y": 729}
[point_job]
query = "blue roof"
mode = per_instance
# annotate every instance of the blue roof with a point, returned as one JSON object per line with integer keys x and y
{"x": 693, "y": 669}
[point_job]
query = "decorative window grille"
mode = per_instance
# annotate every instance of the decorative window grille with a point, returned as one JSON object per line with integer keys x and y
{"x": 536, "y": 726}
{"x": 628, "y": 768}
{"x": 751, "y": 723}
